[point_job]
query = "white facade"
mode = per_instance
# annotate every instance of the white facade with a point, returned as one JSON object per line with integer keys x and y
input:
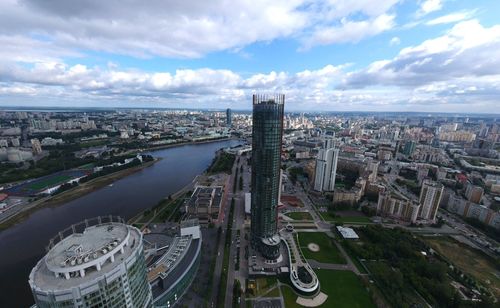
{"x": 326, "y": 169}
{"x": 248, "y": 202}
{"x": 430, "y": 197}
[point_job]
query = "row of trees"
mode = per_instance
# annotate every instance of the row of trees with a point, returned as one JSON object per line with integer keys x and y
{"x": 223, "y": 162}
{"x": 402, "y": 268}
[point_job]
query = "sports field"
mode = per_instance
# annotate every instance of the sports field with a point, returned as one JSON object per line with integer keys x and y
{"x": 38, "y": 185}
{"x": 48, "y": 182}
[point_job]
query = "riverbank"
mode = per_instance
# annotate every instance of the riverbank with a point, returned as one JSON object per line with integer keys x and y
{"x": 24, "y": 244}
{"x": 166, "y": 146}
{"x": 71, "y": 194}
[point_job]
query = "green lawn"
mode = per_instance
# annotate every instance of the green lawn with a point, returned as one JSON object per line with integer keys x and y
{"x": 326, "y": 216}
{"x": 352, "y": 219}
{"x": 87, "y": 166}
{"x": 299, "y": 215}
{"x": 347, "y": 219}
{"x": 328, "y": 252}
{"x": 289, "y": 297}
{"x": 344, "y": 289}
{"x": 49, "y": 182}
{"x": 266, "y": 284}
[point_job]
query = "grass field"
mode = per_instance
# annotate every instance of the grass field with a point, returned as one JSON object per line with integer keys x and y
{"x": 48, "y": 182}
{"x": 266, "y": 284}
{"x": 347, "y": 219}
{"x": 469, "y": 261}
{"x": 289, "y": 297}
{"x": 328, "y": 252}
{"x": 353, "y": 219}
{"x": 87, "y": 166}
{"x": 299, "y": 215}
{"x": 344, "y": 290}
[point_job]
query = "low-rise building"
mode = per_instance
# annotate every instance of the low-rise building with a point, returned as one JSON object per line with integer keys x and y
{"x": 205, "y": 203}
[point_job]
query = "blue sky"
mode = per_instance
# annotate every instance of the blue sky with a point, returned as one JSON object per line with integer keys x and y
{"x": 386, "y": 55}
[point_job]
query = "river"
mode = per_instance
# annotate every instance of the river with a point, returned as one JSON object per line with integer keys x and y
{"x": 22, "y": 245}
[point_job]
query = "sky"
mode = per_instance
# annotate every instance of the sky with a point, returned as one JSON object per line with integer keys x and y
{"x": 327, "y": 55}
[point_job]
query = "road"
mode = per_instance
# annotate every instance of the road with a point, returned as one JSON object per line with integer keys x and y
{"x": 238, "y": 224}
{"x": 220, "y": 249}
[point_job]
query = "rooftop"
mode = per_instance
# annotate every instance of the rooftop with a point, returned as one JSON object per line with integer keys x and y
{"x": 348, "y": 233}
{"x": 83, "y": 257}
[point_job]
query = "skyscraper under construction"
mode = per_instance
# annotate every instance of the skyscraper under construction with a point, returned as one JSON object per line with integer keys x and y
{"x": 267, "y": 132}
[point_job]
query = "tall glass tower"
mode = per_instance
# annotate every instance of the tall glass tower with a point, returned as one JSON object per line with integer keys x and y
{"x": 229, "y": 114}
{"x": 267, "y": 132}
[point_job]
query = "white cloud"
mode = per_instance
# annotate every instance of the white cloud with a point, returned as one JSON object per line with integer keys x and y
{"x": 186, "y": 29}
{"x": 190, "y": 29}
{"x": 450, "y": 18}
{"x": 467, "y": 50}
{"x": 350, "y": 31}
{"x": 460, "y": 67}
{"x": 429, "y": 6}
{"x": 394, "y": 41}
{"x": 166, "y": 28}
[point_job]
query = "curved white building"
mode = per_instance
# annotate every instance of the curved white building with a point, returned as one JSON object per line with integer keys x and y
{"x": 103, "y": 266}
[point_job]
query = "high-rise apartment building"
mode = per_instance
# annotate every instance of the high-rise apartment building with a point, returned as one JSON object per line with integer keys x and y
{"x": 430, "y": 197}
{"x": 103, "y": 266}
{"x": 326, "y": 169}
{"x": 267, "y": 132}
{"x": 372, "y": 169}
{"x": 474, "y": 193}
{"x": 36, "y": 146}
{"x": 396, "y": 206}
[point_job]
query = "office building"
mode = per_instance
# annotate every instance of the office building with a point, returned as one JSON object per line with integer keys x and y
{"x": 430, "y": 197}
{"x": 267, "y": 131}
{"x": 229, "y": 114}
{"x": 326, "y": 169}
{"x": 103, "y": 266}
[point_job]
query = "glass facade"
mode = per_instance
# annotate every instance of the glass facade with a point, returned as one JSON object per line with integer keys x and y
{"x": 267, "y": 132}
{"x": 168, "y": 299}
{"x": 229, "y": 115}
{"x": 130, "y": 289}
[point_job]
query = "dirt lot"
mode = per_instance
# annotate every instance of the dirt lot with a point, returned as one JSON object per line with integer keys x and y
{"x": 470, "y": 261}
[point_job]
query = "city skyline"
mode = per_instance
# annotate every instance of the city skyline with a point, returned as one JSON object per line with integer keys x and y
{"x": 213, "y": 207}
{"x": 430, "y": 56}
